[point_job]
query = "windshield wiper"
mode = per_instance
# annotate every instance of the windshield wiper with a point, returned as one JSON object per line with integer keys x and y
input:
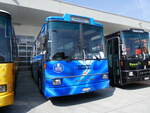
{"x": 69, "y": 58}
{"x": 98, "y": 58}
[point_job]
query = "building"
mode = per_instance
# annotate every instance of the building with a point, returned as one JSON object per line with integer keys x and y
{"x": 25, "y": 48}
{"x": 29, "y": 15}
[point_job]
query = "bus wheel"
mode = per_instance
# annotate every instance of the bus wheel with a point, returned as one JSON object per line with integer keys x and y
{"x": 119, "y": 84}
{"x": 112, "y": 83}
{"x": 40, "y": 84}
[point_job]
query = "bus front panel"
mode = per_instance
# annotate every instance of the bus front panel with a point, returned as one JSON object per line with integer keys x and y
{"x": 68, "y": 78}
{"x": 6, "y": 84}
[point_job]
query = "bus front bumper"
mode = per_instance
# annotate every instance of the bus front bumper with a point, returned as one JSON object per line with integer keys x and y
{"x": 6, "y": 99}
{"x": 138, "y": 75}
{"x": 73, "y": 90}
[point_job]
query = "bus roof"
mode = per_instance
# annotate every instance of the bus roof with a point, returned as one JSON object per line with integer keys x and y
{"x": 3, "y": 11}
{"x": 74, "y": 18}
{"x": 127, "y": 30}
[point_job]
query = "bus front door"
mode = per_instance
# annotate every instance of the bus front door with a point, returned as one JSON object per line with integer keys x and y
{"x": 113, "y": 58}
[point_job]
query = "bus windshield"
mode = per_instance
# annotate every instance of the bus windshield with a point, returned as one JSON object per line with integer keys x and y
{"x": 5, "y": 48}
{"x": 136, "y": 43}
{"x": 75, "y": 41}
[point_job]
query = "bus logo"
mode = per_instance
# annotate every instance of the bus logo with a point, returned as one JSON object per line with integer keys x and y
{"x": 134, "y": 64}
{"x": 58, "y": 68}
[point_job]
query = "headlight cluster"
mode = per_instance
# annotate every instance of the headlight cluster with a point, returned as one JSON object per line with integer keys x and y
{"x": 3, "y": 88}
{"x": 56, "y": 82}
{"x": 131, "y": 74}
{"x": 3, "y": 69}
{"x": 105, "y": 76}
{"x": 148, "y": 62}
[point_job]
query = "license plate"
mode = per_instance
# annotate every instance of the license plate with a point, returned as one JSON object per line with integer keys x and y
{"x": 86, "y": 89}
{"x": 146, "y": 78}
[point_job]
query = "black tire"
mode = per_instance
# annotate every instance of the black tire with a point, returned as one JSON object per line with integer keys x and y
{"x": 40, "y": 84}
{"x": 112, "y": 82}
{"x": 15, "y": 80}
{"x": 31, "y": 70}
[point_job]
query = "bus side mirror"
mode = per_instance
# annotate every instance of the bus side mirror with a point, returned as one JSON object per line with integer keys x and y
{"x": 123, "y": 49}
{"x": 46, "y": 40}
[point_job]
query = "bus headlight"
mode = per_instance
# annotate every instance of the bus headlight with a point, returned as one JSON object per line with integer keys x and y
{"x": 3, "y": 88}
{"x": 56, "y": 82}
{"x": 148, "y": 62}
{"x": 105, "y": 76}
{"x": 131, "y": 74}
{"x": 3, "y": 68}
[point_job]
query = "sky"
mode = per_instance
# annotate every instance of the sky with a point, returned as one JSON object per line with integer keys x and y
{"x": 139, "y": 9}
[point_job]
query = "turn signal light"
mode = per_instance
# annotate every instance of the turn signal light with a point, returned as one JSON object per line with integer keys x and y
{"x": 44, "y": 66}
{"x": 121, "y": 63}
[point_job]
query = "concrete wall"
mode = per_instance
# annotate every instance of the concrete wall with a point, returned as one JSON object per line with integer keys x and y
{"x": 29, "y": 15}
{"x": 27, "y": 30}
{"x": 58, "y": 7}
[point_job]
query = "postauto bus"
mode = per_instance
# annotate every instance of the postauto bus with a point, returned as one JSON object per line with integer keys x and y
{"x": 129, "y": 56}
{"x": 69, "y": 56}
{"x": 7, "y": 54}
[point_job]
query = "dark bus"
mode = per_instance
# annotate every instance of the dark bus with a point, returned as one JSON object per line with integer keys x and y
{"x": 128, "y": 54}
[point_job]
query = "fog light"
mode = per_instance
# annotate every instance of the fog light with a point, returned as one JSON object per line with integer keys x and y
{"x": 105, "y": 76}
{"x": 131, "y": 74}
{"x": 148, "y": 62}
{"x": 56, "y": 82}
{"x": 3, "y": 88}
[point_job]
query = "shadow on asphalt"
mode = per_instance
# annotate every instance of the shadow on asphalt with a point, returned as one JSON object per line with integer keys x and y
{"x": 83, "y": 98}
{"x": 27, "y": 95}
{"x": 135, "y": 86}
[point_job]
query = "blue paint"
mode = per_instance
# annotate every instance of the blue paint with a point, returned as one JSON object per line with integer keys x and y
{"x": 74, "y": 78}
{"x": 67, "y": 17}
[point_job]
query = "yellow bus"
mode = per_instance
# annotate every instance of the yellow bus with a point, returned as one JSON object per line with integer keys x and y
{"x": 7, "y": 56}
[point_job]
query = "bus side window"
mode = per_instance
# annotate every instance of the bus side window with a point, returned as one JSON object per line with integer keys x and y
{"x": 41, "y": 40}
{"x": 45, "y": 37}
{"x": 8, "y": 29}
{"x": 34, "y": 51}
{"x": 2, "y": 28}
{"x": 38, "y": 47}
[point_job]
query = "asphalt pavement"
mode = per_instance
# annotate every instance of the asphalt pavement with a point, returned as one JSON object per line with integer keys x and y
{"x": 133, "y": 98}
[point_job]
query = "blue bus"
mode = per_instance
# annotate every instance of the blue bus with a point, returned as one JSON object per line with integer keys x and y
{"x": 69, "y": 56}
